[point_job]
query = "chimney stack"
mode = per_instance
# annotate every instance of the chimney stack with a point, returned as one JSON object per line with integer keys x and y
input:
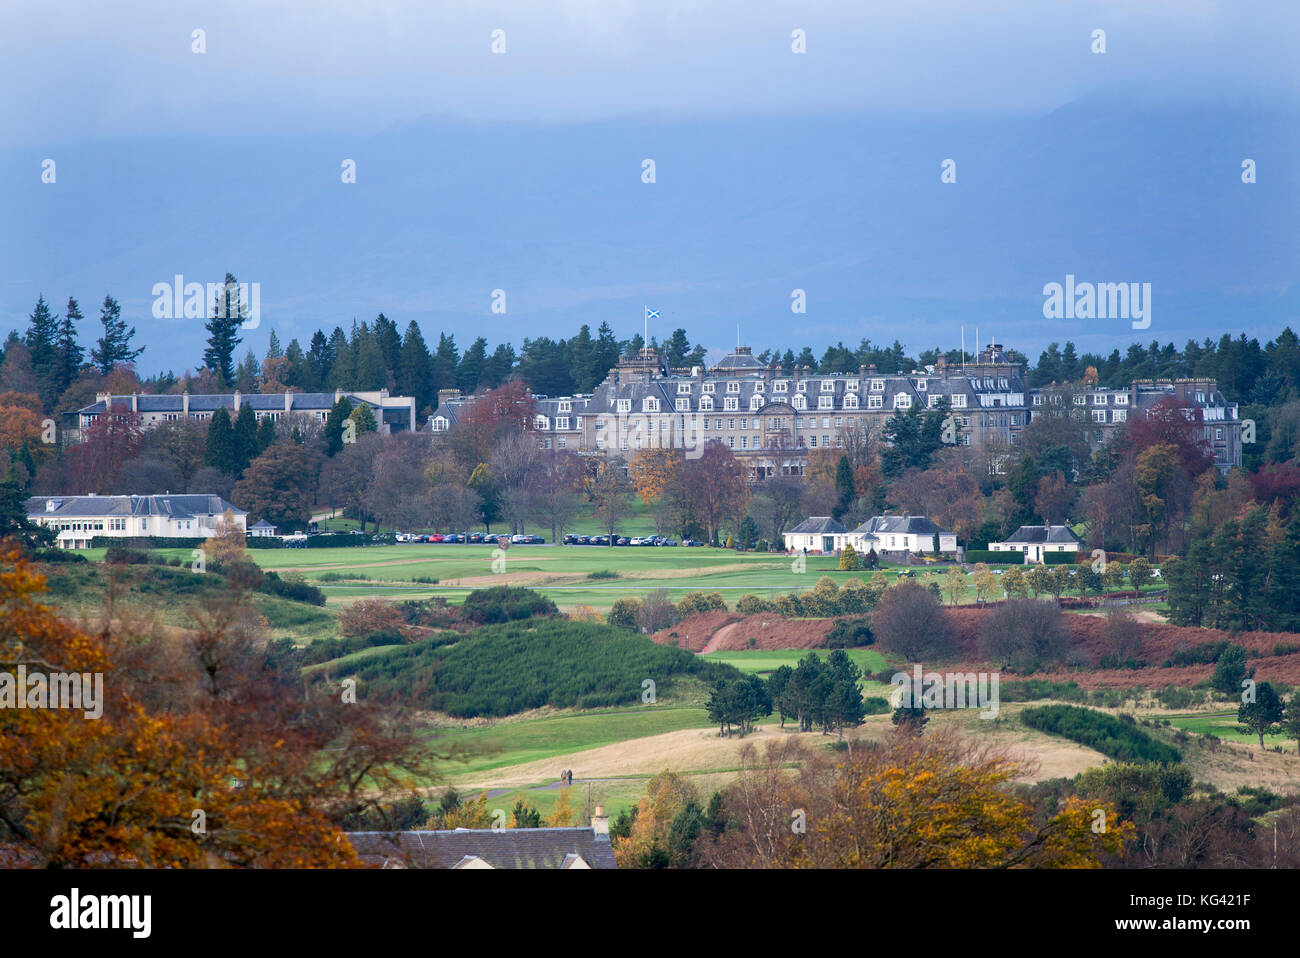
{"x": 600, "y": 822}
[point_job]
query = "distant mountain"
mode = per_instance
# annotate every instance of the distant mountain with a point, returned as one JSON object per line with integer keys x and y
{"x": 848, "y": 208}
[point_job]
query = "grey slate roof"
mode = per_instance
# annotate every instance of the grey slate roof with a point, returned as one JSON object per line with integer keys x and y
{"x": 1033, "y": 534}
{"x": 900, "y": 525}
{"x": 817, "y": 525}
{"x": 176, "y": 507}
{"x": 506, "y": 848}
{"x": 210, "y": 402}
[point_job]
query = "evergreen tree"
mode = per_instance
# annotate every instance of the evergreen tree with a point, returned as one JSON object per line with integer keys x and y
{"x": 223, "y": 328}
{"x": 844, "y": 486}
{"x": 390, "y": 345}
{"x": 220, "y": 450}
{"x": 68, "y": 354}
{"x": 582, "y": 354}
{"x": 320, "y": 360}
{"x": 363, "y": 420}
{"x": 297, "y": 367}
{"x": 470, "y": 370}
{"x": 415, "y": 369}
{"x": 676, "y": 349}
{"x": 334, "y": 425}
{"x": 248, "y": 374}
{"x": 265, "y": 434}
{"x": 370, "y": 371}
{"x": 605, "y": 356}
{"x": 445, "y": 360}
{"x": 114, "y": 346}
{"x": 787, "y": 361}
{"x": 41, "y": 338}
{"x": 245, "y": 439}
{"x": 341, "y": 365}
{"x": 273, "y": 350}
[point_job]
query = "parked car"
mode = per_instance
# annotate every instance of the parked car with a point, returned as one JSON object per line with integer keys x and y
{"x": 454, "y": 537}
{"x": 623, "y": 540}
{"x": 570, "y": 539}
{"x": 475, "y": 537}
{"x": 668, "y": 542}
{"x": 582, "y": 540}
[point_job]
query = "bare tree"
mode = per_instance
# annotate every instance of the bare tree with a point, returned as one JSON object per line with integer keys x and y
{"x": 554, "y": 482}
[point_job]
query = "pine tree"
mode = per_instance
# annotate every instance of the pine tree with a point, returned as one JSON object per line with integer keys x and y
{"x": 220, "y": 450}
{"x": 470, "y": 369}
{"x": 334, "y": 425}
{"x": 68, "y": 354}
{"x": 342, "y": 364}
{"x": 41, "y": 337}
{"x": 606, "y": 353}
{"x": 245, "y": 438}
{"x": 295, "y": 371}
{"x": 390, "y": 345}
{"x": 114, "y": 346}
{"x": 445, "y": 360}
{"x": 273, "y": 350}
{"x": 415, "y": 369}
{"x": 370, "y": 372}
{"x": 582, "y": 356}
{"x": 320, "y": 359}
{"x": 248, "y": 374}
{"x": 223, "y": 327}
{"x": 844, "y": 486}
{"x": 677, "y": 348}
{"x": 265, "y": 434}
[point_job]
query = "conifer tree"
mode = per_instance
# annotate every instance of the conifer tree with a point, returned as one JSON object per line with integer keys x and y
{"x": 114, "y": 346}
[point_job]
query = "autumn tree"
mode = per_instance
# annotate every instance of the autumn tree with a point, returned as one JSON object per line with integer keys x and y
{"x": 910, "y": 622}
{"x": 279, "y": 486}
{"x": 717, "y": 486}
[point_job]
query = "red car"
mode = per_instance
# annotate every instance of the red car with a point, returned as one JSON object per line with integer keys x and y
{"x": 436, "y": 537}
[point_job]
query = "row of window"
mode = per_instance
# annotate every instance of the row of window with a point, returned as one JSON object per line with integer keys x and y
{"x": 757, "y": 401}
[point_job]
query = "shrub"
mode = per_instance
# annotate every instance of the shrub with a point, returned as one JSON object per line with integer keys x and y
{"x": 504, "y": 603}
{"x": 693, "y": 602}
{"x": 657, "y": 612}
{"x": 849, "y": 634}
{"x": 910, "y": 621}
{"x": 1024, "y": 634}
{"x": 753, "y": 605}
{"x": 849, "y": 559}
{"x": 57, "y": 555}
{"x": 1114, "y": 738}
{"x": 368, "y": 616}
{"x": 120, "y": 555}
{"x": 603, "y": 574}
{"x": 624, "y": 614}
{"x": 272, "y": 584}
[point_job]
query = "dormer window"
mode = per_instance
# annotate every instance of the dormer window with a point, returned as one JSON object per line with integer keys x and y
{"x": 755, "y": 402}
{"x": 542, "y": 422}
{"x": 921, "y": 384}
{"x": 651, "y": 404}
{"x": 624, "y": 405}
{"x": 800, "y": 402}
{"x": 851, "y": 386}
{"x": 825, "y": 402}
{"x": 803, "y": 386}
{"x": 902, "y": 401}
{"x": 877, "y": 385}
{"x": 565, "y": 406}
{"x": 733, "y": 403}
{"x": 683, "y": 389}
{"x": 706, "y": 402}
{"x": 850, "y": 401}
{"x": 708, "y": 388}
{"x": 733, "y": 387}
{"x": 780, "y": 386}
{"x": 828, "y": 385}
{"x": 683, "y": 405}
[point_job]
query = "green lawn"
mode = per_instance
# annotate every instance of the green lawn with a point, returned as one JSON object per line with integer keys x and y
{"x": 1224, "y": 725}
{"x": 513, "y": 743}
{"x": 764, "y": 663}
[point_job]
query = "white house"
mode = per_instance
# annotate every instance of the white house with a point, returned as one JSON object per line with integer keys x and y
{"x": 815, "y": 534}
{"x": 262, "y": 530}
{"x": 898, "y": 534}
{"x": 79, "y": 519}
{"x": 1034, "y": 541}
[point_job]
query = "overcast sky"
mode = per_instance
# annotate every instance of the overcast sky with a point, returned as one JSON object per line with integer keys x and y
{"x": 92, "y": 69}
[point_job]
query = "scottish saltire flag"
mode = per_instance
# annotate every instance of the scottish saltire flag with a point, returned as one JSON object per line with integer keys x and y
{"x": 651, "y": 313}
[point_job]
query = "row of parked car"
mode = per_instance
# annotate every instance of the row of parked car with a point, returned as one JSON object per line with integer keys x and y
{"x": 487, "y": 538}
{"x": 575, "y": 540}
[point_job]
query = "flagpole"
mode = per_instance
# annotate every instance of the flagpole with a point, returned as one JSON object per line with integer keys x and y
{"x": 645, "y": 327}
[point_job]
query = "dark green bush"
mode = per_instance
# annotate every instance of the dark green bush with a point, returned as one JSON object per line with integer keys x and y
{"x": 1115, "y": 738}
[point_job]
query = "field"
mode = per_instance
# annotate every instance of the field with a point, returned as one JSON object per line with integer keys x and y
{"x": 560, "y": 572}
{"x": 766, "y": 662}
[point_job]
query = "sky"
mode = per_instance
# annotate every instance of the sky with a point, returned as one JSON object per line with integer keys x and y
{"x": 775, "y": 171}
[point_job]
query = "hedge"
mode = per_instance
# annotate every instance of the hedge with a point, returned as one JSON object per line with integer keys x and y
{"x": 1059, "y": 558}
{"x": 1113, "y": 737}
{"x": 145, "y": 542}
{"x": 995, "y": 558}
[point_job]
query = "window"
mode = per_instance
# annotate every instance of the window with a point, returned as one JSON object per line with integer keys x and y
{"x": 1015, "y": 420}
{"x": 959, "y": 401}
{"x": 875, "y": 402}
{"x": 851, "y": 386}
{"x": 565, "y": 405}
{"x": 802, "y": 387}
{"x": 800, "y": 402}
{"x": 731, "y": 424}
{"x": 744, "y": 442}
{"x": 709, "y": 387}
{"x": 758, "y": 387}
{"x": 562, "y": 422}
{"x": 920, "y": 385}
{"x": 1038, "y": 400}
{"x": 850, "y": 401}
{"x": 780, "y": 386}
{"x": 733, "y": 387}
{"x": 731, "y": 441}
{"x": 651, "y": 404}
{"x": 1002, "y": 382}
{"x": 542, "y": 422}
{"x": 683, "y": 388}
{"x": 877, "y": 385}
{"x": 826, "y": 422}
{"x": 838, "y": 422}
{"x": 578, "y": 423}
{"x": 1099, "y": 415}
{"x": 624, "y": 405}
{"x": 1099, "y": 399}
{"x": 1121, "y": 399}
{"x": 755, "y": 402}
{"x": 732, "y": 403}
{"x": 812, "y": 442}
{"x": 1119, "y": 415}
{"x": 560, "y": 442}
{"x": 828, "y": 385}
{"x": 706, "y": 402}
{"x": 825, "y": 402}
{"x": 1081, "y": 400}
{"x": 1218, "y": 435}
{"x": 683, "y": 405}
{"x": 902, "y": 401}
{"x": 934, "y": 400}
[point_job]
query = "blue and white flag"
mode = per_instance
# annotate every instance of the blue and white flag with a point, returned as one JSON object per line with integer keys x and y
{"x": 651, "y": 313}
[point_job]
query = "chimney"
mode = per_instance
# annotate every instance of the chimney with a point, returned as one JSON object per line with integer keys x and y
{"x": 135, "y": 403}
{"x": 185, "y": 403}
{"x": 288, "y": 400}
{"x": 600, "y": 822}
{"x": 872, "y": 369}
{"x": 237, "y": 398}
